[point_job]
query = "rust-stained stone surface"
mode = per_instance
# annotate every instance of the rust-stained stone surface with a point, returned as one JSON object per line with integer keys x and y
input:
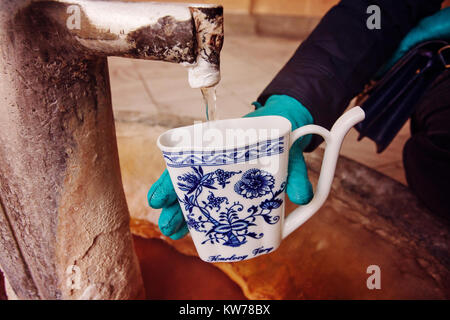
{"x": 180, "y": 280}
{"x": 169, "y": 274}
{"x": 368, "y": 219}
{"x": 325, "y": 261}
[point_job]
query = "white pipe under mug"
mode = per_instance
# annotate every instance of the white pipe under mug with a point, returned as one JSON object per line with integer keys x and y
{"x": 333, "y": 140}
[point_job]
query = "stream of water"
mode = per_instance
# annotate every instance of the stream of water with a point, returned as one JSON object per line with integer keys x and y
{"x": 210, "y": 100}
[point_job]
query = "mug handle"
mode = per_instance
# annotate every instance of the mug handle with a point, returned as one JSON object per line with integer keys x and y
{"x": 333, "y": 140}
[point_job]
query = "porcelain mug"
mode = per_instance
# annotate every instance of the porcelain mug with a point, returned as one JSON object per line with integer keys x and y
{"x": 230, "y": 180}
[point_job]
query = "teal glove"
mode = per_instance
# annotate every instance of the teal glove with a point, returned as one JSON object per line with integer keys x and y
{"x": 162, "y": 194}
{"x": 298, "y": 187}
{"x": 432, "y": 27}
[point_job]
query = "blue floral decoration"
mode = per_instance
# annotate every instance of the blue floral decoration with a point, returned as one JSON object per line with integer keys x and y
{"x": 255, "y": 183}
{"x": 196, "y": 180}
{"x": 221, "y": 221}
{"x": 215, "y": 202}
{"x": 271, "y": 204}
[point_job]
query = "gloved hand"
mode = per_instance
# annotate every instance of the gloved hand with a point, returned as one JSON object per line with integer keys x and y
{"x": 298, "y": 187}
{"x": 432, "y": 27}
{"x": 162, "y": 194}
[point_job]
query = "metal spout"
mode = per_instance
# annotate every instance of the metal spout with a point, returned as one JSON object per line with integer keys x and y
{"x": 189, "y": 34}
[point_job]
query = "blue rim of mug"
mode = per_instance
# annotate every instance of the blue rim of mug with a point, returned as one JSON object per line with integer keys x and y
{"x": 226, "y": 156}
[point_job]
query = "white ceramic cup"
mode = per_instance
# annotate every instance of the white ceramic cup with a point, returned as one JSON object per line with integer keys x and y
{"x": 230, "y": 179}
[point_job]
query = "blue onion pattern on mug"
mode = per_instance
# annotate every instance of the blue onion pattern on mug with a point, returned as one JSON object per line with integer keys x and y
{"x": 223, "y": 222}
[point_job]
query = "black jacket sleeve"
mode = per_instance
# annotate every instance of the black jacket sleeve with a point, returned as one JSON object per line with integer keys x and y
{"x": 341, "y": 55}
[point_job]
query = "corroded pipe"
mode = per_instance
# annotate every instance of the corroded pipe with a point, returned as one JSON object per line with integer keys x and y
{"x": 182, "y": 33}
{"x": 64, "y": 222}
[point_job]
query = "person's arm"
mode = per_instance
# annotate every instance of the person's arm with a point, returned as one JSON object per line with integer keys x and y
{"x": 341, "y": 55}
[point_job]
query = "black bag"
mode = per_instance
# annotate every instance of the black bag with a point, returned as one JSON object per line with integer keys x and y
{"x": 390, "y": 102}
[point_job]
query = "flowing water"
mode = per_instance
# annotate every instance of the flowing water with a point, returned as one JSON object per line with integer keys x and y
{"x": 210, "y": 100}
